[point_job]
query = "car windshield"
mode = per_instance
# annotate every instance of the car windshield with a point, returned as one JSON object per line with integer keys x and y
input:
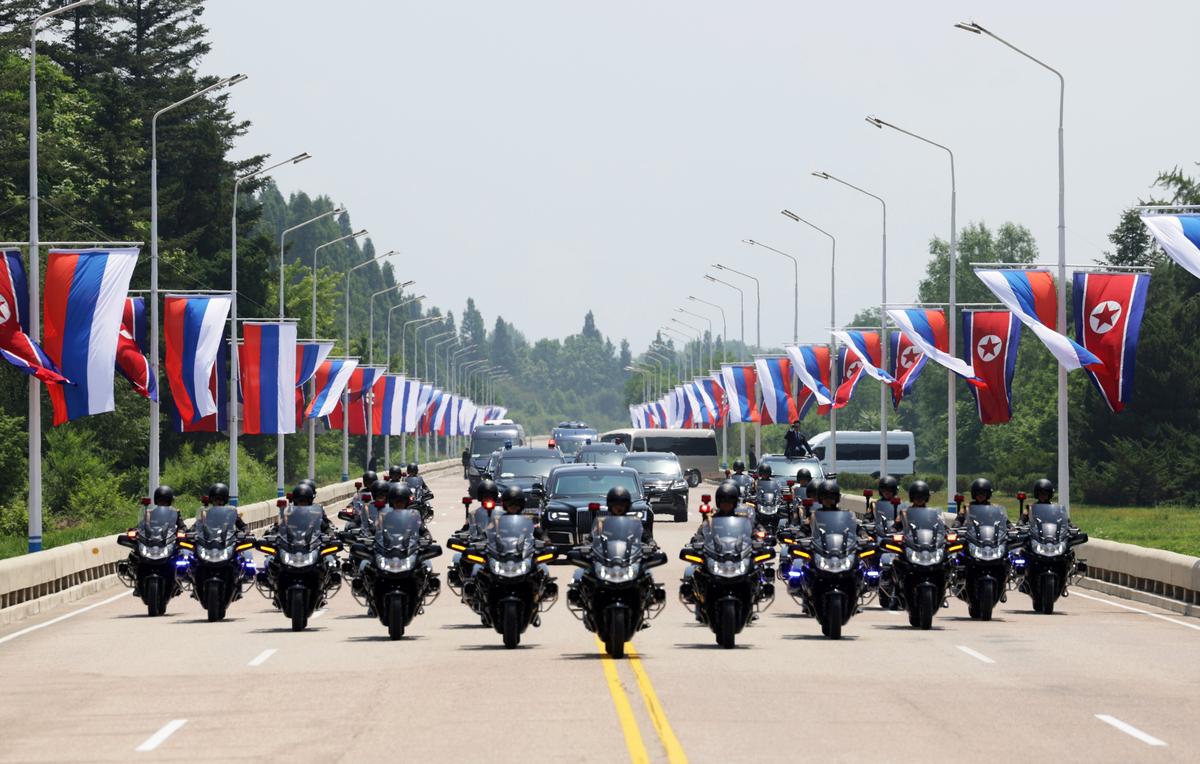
{"x": 613, "y": 458}
{"x": 593, "y": 483}
{"x": 527, "y": 466}
{"x": 483, "y": 445}
{"x": 786, "y": 469}
{"x": 571, "y": 445}
{"x": 653, "y": 465}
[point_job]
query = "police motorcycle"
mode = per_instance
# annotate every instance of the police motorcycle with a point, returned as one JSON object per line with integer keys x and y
{"x": 920, "y": 571}
{"x": 728, "y": 584}
{"x": 745, "y": 483}
{"x": 881, "y": 523}
{"x": 152, "y": 568}
{"x": 512, "y": 585}
{"x": 360, "y": 516}
{"x": 616, "y": 596}
{"x": 1046, "y": 564}
{"x": 422, "y": 500}
{"x": 397, "y": 580}
{"x": 473, "y": 534}
{"x": 769, "y": 508}
{"x": 302, "y": 570}
{"x": 984, "y": 567}
{"x": 218, "y": 572}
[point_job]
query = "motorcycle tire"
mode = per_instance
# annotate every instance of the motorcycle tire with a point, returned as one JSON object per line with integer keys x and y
{"x": 614, "y": 635}
{"x": 834, "y": 602}
{"x": 296, "y": 606}
{"x": 1048, "y": 587}
{"x": 395, "y": 616}
{"x": 511, "y": 624}
{"x": 885, "y": 601}
{"x": 726, "y": 625}
{"x": 986, "y": 598}
{"x": 924, "y": 609}
{"x": 212, "y": 600}
{"x": 152, "y": 595}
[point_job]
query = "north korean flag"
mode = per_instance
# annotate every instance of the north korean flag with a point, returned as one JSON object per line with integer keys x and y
{"x": 1108, "y": 318}
{"x": 905, "y": 363}
{"x": 991, "y": 339}
{"x": 852, "y": 368}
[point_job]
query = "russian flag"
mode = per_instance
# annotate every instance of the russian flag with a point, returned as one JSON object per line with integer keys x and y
{"x": 929, "y": 334}
{"x": 361, "y": 382}
{"x": 708, "y": 406}
{"x": 1108, "y": 320}
{"x": 775, "y": 377}
{"x": 991, "y": 339}
{"x": 16, "y": 346}
{"x": 331, "y": 379}
{"x": 865, "y": 347}
{"x": 83, "y": 302}
{"x": 716, "y": 393}
{"x": 386, "y": 391}
{"x": 267, "y": 373}
{"x": 811, "y": 363}
{"x": 193, "y": 327}
{"x": 1031, "y": 297}
{"x": 310, "y": 354}
{"x": 1179, "y": 236}
{"x": 429, "y": 413}
{"x": 408, "y": 410}
{"x": 739, "y": 382}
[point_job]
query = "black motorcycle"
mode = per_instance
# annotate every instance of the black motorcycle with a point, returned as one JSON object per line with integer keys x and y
{"x": 919, "y": 564}
{"x": 460, "y": 572}
{"x": 829, "y": 577}
{"x": 1048, "y": 557}
{"x": 217, "y": 570}
{"x": 769, "y": 509}
{"x": 422, "y": 497}
{"x": 881, "y": 523}
{"x": 616, "y": 595}
{"x": 360, "y": 519}
{"x": 984, "y": 566}
{"x": 152, "y": 567}
{"x": 301, "y": 570}
{"x": 396, "y": 579}
{"x": 729, "y": 583}
{"x": 511, "y": 586}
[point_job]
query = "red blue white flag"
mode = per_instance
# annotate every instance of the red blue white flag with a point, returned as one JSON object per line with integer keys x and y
{"x": 851, "y": 362}
{"x": 132, "y": 344}
{"x": 811, "y": 363}
{"x": 1179, "y": 236}
{"x": 775, "y": 380}
{"x": 16, "y": 346}
{"x": 905, "y": 363}
{"x": 331, "y": 379}
{"x": 1031, "y": 297}
{"x": 267, "y": 374}
{"x": 193, "y": 329}
{"x": 739, "y": 383}
{"x": 991, "y": 339}
{"x": 1108, "y": 319}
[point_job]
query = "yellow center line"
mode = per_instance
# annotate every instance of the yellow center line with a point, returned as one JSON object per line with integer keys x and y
{"x": 633, "y": 736}
{"x": 658, "y": 716}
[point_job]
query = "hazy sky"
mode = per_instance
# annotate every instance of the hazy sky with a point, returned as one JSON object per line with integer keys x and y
{"x": 550, "y": 157}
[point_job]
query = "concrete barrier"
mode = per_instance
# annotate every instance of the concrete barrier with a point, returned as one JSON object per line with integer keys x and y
{"x": 35, "y": 583}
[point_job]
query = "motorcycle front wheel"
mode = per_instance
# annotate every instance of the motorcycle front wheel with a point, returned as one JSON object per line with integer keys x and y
{"x": 833, "y": 615}
{"x": 212, "y": 600}
{"x": 152, "y": 595}
{"x": 296, "y": 607}
{"x": 924, "y": 608}
{"x": 614, "y": 635}
{"x": 986, "y": 599}
{"x": 511, "y": 623}
{"x": 726, "y": 625}
{"x": 1048, "y": 586}
{"x": 395, "y": 616}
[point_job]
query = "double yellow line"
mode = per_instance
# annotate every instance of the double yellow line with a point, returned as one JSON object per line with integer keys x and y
{"x": 658, "y": 717}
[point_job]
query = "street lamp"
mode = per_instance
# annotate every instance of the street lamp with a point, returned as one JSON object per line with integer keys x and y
{"x": 418, "y": 323}
{"x": 392, "y": 310}
{"x": 757, "y": 301}
{"x": 883, "y": 345}
{"x": 371, "y": 354}
{"x": 710, "y": 333}
{"x": 724, "y": 328}
{"x": 796, "y": 293}
{"x": 699, "y": 333}
{"x": 951, "y": 408}
{"x": 686, "y": 339}
{"x": 1064, "y": 473}
{"x": 741, "y": 302}
{"x": 233, "y": 326}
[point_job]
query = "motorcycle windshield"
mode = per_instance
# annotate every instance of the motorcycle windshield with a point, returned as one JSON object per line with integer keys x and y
{"x": 480, "y": 519}
{"x": 617, "y": 540}
{"x": 158, "y": 524}
{"x": 216, "y": 526}
{"x": 986, "y": 522}
{"x": 396, "y": 532}
{"x": 300, "y": 528}
{"x": 885, "y": 513}
{"x": 511, "y": 536}
{"x": 925, "y": 527}
{"x": 1048, "y": 521}
{"x": 834, "y": 531}
{"x": 729, "y": 536}
{"x": 415, "y": 482}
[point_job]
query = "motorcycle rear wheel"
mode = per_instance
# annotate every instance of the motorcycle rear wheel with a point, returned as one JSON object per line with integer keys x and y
{"x": 511, "y": 623}
{"x": 614, "y": 635}
{"x": 833, "y": 615}
{"x": 152, "y": 595}
{"x": 296, "y": 606}
{"x": 1048, "y": 585}
{"x": 212, "y": 600}
{"x": 986, "y": 598}
{"x": 395, "y": 615}
{"x": 726, "y": 625}
{"x": 925, "y": 607}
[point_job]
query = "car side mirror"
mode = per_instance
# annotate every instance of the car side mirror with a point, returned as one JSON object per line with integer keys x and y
{"x": 538, "y": 487}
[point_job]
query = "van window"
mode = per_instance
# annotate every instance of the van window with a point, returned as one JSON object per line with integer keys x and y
{"x": 680, "y": 446}
{"x": 865, "y": 452}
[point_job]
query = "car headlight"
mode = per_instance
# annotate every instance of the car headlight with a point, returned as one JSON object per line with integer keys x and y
{"x": 510, "y": 568}
{"x": 985, "y": 552}
{"x": 396, "y": 564}
{"x": 215, "y": 554}
{"x": 298, "y": 559}
{"x": 728, "y": 568}
{"x": 924, "y": 556}
{"x": 558, "y": 516}
{"x": 834, "y": 564}
{"x": 679, "y": 484}
{"x": 616, "y": 574}
{"x": 155, "y": 551}
{"x": 1049, "y": 549}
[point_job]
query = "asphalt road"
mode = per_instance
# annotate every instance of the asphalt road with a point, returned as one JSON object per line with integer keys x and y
{"x": 1101, "y": 679}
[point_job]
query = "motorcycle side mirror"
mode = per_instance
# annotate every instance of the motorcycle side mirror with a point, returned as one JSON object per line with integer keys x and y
{"x": 431, "y": 551}
{"x": 538, "y": 487}
{"x": 145, "y": 501}
{"x": 867, "y": 492}
{"x": 1021, "y": 496}
{"x": 346, "y": 514}
{"x": 791, "y": 483}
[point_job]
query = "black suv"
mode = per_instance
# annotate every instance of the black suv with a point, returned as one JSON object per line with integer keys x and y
{"x": 486, "y": 439}
{"x": 524, "y": 467}
{"x": 572, "y": 487}
{"x": 663, "y": 480}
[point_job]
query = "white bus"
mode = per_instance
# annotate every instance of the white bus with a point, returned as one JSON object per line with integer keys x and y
{"x": 858, "y": 452}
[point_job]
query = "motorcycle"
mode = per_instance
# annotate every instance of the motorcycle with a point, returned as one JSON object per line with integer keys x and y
{"x": 152, "y": 568}
{"x": 830, "y": 576}
{"x": 301, "y": 573}
{"x": 728, "y": 583}
{"x": 360, "y": 519}
{"x": 396, "y": 579}
{"x": 882, "y": 515}
{"x": 512, "y": 588}
{"x": 218, "y": 569}
{"x": 768, "y": 508}
{"x": 422, "y": 497}
{"x": 984, "y": 570}
{"x": 616, "y": 596}
{"x": 1047, "y": 559}
{"x": 459, "y": 573}
{"x": 920, "y": 564}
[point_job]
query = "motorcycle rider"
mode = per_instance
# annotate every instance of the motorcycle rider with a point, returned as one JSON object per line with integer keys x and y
{"x": 1043, "y": 493}
{"x": 918, "y": 496}
{"x": 512, "y": 501}
{"x": 396, "y": 473}
{"x": 400, "y": 497}
{"x": 739, "y": 477}
{"x": 981, "y": 494}
{"x": 796, "y": 445}
{"x": 218, "y": 496}
{"x": 889, "y": 491}
{"x": 726, "y": 501}
{"x": 303, "y": 495}
{"x": 164, "y": 496}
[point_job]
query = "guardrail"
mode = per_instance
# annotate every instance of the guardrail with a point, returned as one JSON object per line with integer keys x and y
{"x": 35, "y": 583}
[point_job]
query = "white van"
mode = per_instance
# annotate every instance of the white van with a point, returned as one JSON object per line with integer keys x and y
{"x": 696, "y": 449}
{"x": 858, "y": 452}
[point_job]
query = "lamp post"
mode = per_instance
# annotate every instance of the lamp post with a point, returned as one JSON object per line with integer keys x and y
{"x": 833, "y": 371}
{"x": 371, "y": 356}
{"x": 741, "y": 302}
{"x": 155, "y": 434}
{"x": 35, "y": 290}
{"x": 233, "y": 325}
{"x": 417, "y": 324}
{"x": 456, "y": 383}
{"x": 712, "y": 368}
{"x": 387, "y": 439}
{"x": 952, "y": 322}
{"x": 686, "y": 355}
{"x": 699, "y": 333}
{"x": 449, "y": 342}
{"x": 796, "y": 292}
{"x": 883, "y": 345}
{"x": 710, "y": 332}
{"x": 757, "y": 302}
{"x": 1064, "y": 473}
{"x": 425, "y": 355}
{"x": 724, "y": 328}
{"x": 346, "y": 344}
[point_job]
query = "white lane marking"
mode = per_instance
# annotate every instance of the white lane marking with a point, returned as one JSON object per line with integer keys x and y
{"x": 975, "y": 654}
{"x": 318, "y": 614}
{"x": 1134, "y": 609}
{"x": 53, "y": 621}
{"x": 261, "y": 658}
{"x": 1130, "y": 730}
{"x": 155, "y": 740}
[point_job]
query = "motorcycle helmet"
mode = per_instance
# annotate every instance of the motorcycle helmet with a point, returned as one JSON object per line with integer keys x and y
{"x": 829, "y": 489}
{"x": 413, "y": 469}
{"x": 918, "y": 490}
{"x": 981, "y": 487}
{"x": 889, "y": 483}
{"x": 739, "y": 465}
{"x": 164, "y": 496}
{"x": 764, "y": 471}
{"x": 512, "y": 498}
{"x": 218, "y": 494}
{"x": 1040, "y": 487}
{"x": 488, "y": 493}
{"x": 303, "y": 494}
{"x": 399, "y": 495}
{"x": 729, "y": 493}
{"x": 379, "y": 490}
{"x": 395, "y": 472}
{"x": 618, "y": 500}
{"x": 369, "y": 477}
{"x": 803, "y": 476}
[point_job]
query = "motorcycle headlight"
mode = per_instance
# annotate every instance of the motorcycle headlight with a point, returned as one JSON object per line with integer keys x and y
{"x": 924, "y": 556}
{"x": 395, "y": 564}
{"x": 728, "y": 568}
{"x": 985, "y": 552}
{"x": 298, "y": 559}
{"x": 155, "y": 551}
{"x": 616, "y": 574}
{"x": 215, "y": 554}
{"x": 767, "y": 509}
{"x": 838, "y": 564}
{"x": 1049, "y": 549}
{"x": 510, "y": 568}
